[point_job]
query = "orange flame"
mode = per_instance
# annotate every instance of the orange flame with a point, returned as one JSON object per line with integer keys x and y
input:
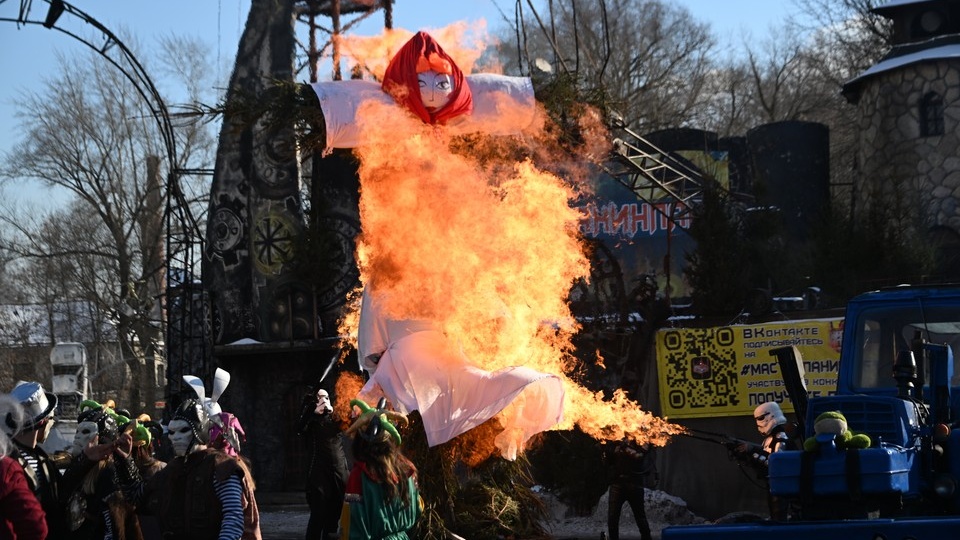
{"x": 487, "y": 249}
{"x": 464, "y": 42}
{"x": 348, "y": 385}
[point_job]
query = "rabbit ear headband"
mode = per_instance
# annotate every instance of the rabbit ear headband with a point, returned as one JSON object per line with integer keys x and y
{"x": 373, "y": 421}
{"x": 221, "y": 379}
{"x": 222, "y": 423}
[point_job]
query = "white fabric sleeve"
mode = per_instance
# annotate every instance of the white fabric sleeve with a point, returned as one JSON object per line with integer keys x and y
{"x": 372, "y": 334}
{"x": 502, "y": 105}
{"x": 339, "y": 102}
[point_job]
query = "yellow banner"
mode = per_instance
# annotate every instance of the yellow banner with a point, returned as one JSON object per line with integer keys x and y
{"x": 728, "y": 370}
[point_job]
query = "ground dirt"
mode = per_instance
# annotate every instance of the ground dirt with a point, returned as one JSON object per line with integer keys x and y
{"x": 282, "y": 520}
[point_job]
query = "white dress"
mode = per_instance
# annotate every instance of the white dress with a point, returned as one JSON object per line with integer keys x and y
{"x": 421, "y": 369}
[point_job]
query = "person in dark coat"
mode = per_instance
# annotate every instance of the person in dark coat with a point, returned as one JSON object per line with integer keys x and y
{"x": 327, "y": 466}
{"x": 772, "y": 424}
{"x": 42, "y": 474}
{"x": 630, "y": 464}
{"x": 94, "y": 506}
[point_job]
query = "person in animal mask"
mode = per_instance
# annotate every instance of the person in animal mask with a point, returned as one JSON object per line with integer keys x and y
{"x": 202, "y": 492}
{"x": 146, "y": 433}
{"x": 382, "y": 498}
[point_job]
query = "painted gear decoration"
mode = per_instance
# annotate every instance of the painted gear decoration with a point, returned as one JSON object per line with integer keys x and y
{"x": 273, "y": 238}
{"x": 227, "y": 230}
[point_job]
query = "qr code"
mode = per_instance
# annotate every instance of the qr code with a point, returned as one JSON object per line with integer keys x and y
{"x": 700, "y": 368}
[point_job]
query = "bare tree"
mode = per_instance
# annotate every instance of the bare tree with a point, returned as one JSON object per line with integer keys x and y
{"x": 652, "y": 57}
{"x": 785, "y": 85}
{"x": 89, "y": 136}
{"x": 728, "y": 107}
{"x": 845, "y": 39}
{"x": 847, "y": 33}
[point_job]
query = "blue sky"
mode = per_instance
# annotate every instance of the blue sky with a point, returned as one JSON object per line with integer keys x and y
{"x": 29, "y": 52}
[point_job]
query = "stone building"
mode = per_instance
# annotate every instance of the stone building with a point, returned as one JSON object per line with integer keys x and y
{"x": 908, "y": 152}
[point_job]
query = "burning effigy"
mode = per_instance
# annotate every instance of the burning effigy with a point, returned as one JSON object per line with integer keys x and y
{"x": 467, "y": 252}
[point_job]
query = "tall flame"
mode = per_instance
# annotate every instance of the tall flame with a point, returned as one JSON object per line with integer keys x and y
{"x": 463, "y": 41}
{"x": 484, "y": 244}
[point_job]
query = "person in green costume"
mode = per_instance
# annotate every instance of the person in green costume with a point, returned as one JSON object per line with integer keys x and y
{"x": 382, "y": 499}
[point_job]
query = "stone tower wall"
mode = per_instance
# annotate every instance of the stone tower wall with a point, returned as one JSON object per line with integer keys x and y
{"x": 922, "y": 173}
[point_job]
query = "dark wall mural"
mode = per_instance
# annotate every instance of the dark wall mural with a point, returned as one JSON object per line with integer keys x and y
{"x": 335, "y": 220}
{"x": 255, "y": 212}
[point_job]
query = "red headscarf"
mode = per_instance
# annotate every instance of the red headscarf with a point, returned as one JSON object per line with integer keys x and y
{"x": 422, "y": 53}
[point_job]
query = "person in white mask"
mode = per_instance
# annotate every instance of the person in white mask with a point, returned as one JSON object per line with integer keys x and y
{"x": 771, "y": 423}
{"x": 202, "y": 492}
{"x": 95, "y": 508}
{"x": 327, "y": 470}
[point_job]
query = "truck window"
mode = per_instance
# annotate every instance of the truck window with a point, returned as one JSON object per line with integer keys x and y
{"x": 945, "y": 333}
{"x": 883, "y": 332}
{"x": 871, "y": 362}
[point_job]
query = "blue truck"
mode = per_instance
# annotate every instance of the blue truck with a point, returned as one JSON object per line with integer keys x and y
{"x": 897, "y": 383}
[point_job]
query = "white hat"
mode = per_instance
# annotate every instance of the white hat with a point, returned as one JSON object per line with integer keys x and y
{"x": 37, "y": 404}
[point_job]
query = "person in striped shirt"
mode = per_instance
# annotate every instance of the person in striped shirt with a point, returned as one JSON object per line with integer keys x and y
{"x": 203, "y": 493}
{"x": 43, "y": 476}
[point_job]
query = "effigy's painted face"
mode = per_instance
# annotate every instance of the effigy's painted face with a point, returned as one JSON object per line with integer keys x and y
{"x": 86, "y": 432}
{"x": 435, "y": 89}
{"x": 323, "y": 403}
{"x": 181, "y": 437}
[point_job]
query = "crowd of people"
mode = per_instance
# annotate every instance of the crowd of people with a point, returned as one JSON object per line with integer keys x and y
{"x": 114, "y": 482}
{"x": 117, "y": 482}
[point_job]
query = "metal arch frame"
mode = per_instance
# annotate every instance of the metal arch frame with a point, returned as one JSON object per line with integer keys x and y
{"x": 137, "y": 75}
{"x": 184, "y": 317}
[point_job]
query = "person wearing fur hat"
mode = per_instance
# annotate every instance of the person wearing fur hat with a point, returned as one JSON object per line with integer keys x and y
{"x": 43, "y": 476}
{"x": 382, "y": 498}
{"x": 21, "y": 515}
{"x": 202, "y": 493}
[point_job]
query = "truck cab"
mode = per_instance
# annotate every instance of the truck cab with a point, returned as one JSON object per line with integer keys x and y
{"x": 71, "y": 384}
{"x": 878, "y": 326}
{"x": 898, "y": 383}
{"x": 70, "y": 381}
